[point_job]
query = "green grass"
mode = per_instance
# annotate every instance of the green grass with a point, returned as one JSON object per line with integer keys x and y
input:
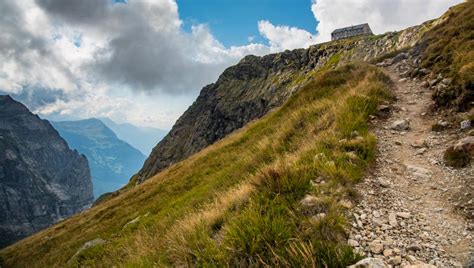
{"x": 273, "y": 229}
{"x": 238, "y": 201}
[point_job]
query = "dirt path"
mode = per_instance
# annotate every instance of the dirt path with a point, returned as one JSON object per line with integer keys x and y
{"x": 407, "y": 210}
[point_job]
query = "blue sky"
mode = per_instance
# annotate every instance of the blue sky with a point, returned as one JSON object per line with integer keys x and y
{"x": 233, "y": 22}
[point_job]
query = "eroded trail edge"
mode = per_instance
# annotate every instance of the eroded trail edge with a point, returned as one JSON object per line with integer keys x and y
{"x": 408, "y": 212}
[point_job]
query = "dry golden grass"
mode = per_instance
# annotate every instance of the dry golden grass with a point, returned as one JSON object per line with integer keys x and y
{"x": 194, "y": 212}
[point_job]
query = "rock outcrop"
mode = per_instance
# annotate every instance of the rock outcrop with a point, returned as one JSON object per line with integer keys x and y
{"x": 41, "y": 179}
{"x": 256, "y": 85}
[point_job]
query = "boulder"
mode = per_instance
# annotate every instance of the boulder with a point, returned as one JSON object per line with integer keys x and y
{"x": 465, "y": 144}
{"x": 461, "y": 153}
{"x": 400, "y": 57}
{"x": 419, "y": 172}
{"x": 414, "y": 247}
{"x": 376, "y": 247}
{"x": 465, "y": 124}
{"x": 395, "y": 260}
{"x": 401, "y": 125}
{"x": 369, "y": 263}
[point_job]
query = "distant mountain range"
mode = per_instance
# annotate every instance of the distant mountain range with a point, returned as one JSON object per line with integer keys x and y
{"x": 142, "y": 138}
{"x": 112, "y": 161}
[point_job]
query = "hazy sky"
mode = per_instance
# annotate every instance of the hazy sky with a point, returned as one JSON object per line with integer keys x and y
{"x": 145, "y": 61}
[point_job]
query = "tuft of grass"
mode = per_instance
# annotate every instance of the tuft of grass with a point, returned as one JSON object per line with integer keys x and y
{"x": 448, "y": 49}
{"x": 456, "y": 158}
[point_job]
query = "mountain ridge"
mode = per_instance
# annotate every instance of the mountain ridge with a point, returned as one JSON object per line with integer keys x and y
{"x": 41, "y": 178}
{"x": 112, "y": 160}
{"x": 142, "y": 138}
{"x": 256, "y": 85}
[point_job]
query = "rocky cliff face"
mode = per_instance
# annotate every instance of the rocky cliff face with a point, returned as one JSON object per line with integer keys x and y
{"x": 254, "y": 86}
{"x": 41, "y": 179}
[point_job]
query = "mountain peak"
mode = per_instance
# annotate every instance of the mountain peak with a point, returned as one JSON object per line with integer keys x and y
{"x": 8, "y": 105}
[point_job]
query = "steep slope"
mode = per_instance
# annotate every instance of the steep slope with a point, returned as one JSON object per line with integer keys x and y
{"x": 142, "y": 138}
{"x": 448, "y": 50}
{"x": 41, "y": 179}
{"x": 256, "y": 85}
{"x": 112, "y": 161}
{"x": 277, "y": 192}
{"x": 198, "y": 212}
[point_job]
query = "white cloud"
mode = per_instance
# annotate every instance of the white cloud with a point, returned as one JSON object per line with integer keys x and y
{"x": 135, "y": 62}
{"x": 285, "y": 37}
{"x": 382, "y": 15}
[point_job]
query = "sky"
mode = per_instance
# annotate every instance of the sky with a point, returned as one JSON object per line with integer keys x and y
{"x": 145, "y": 61}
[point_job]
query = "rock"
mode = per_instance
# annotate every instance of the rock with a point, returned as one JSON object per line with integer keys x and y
{"x": 369, "y": 263}
{"x": 447, "y": 81}
{"x": 424, "y": 71}
{"x": 419, "y": 172}
{"x": 433, "y": 82}
{"x": 392, "y": 219}
{"x": 345, "y": 203}
{"x": 400, "y": 57}
{"x": 309, "y": 201}
{"x": 89, "y": 244}
{"x": 400, "y": 125}
{"x": 465, "y": 124}
{"x": 387, "y": 252}
{"x": 465, "y": 144}
{"x": 420, "y": 151}
{"x": 42, "y": 179}
{"x": 410, "y": 258}
{"x": 383, "y": 108}
{"x": 375, "y": 213}
{"x": 352, "y": 243}
{"x": 414, "y": 247}
{"x": 395, "y": 260}
{"x": 403, "y": 215}
{"x": 132, "y": 222}
{"x": 418, "y": 144}
{"x": 461, "y": 153}
{"x": 420, "y": 265}
{"x": 376, "y": 247}
{"x": 384, "y": 183}
{"x": 397, "y": 142}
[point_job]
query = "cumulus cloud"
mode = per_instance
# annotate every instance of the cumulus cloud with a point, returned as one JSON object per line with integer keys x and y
{"x": 135, "y": 62}
{"x": 84, "y": 12}
{"x": 382, "y": 15}
{"x": 285, "y": 37}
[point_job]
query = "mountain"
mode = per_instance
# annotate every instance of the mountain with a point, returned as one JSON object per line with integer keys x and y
{"x": 142, "y": 138}
{"x": 112, "y": 161}
{"x": 282, "y": 165}
{"x": 42, "y": 180}
{"x": 256, "y": 85}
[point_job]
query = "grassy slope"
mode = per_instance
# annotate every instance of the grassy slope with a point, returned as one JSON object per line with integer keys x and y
{"x": 237, "y": 201}
{"x": 449, "y": 49}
